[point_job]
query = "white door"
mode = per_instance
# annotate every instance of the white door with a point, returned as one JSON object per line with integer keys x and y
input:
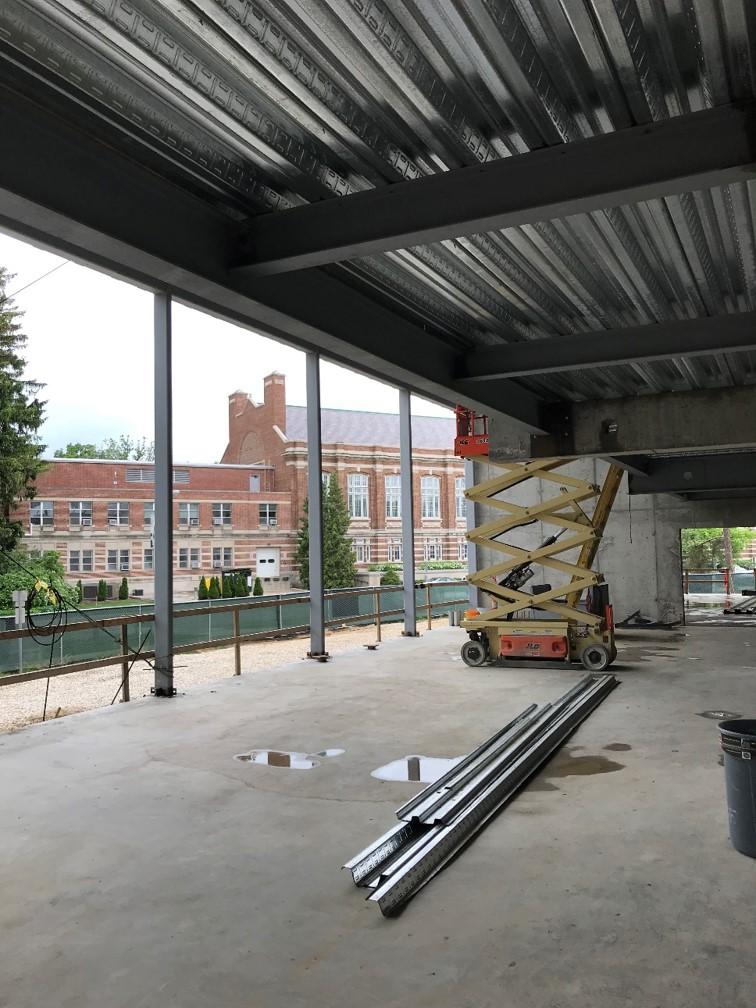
{"x": 267, "y": 563}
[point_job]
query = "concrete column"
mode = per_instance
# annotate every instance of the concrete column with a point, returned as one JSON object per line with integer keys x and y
{"x": 408, "y": 514}
{"x": 315, "y": 507}
{"x": 163, "y": 530}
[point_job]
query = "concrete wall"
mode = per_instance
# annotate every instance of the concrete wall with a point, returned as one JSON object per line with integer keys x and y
{"x": 640, "y": 552}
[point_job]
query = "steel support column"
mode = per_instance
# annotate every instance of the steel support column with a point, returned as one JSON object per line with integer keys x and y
{"x": 408, "y": 514}
{"x": 315, "y": 508}
{"x": 163, "y": 527}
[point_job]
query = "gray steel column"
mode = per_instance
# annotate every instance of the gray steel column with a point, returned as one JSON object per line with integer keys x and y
{"x": 471, "y": 518}
{"x": 408, "y": 514}
{"x": 163, "y": 530}
{"x": 315, "y": 507}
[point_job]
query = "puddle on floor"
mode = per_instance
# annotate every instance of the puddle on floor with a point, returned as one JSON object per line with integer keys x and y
{"x": 643, "y": 654}
{"x": 565, "y": 764}
{"x": 286, "y": 760}
{"x": 420, "y": 769}
{"x": 719, "y": 715}
{"x": 618, "y": 747}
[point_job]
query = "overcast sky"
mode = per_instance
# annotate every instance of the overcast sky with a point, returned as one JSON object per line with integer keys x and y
{"x": 90, "y": 342}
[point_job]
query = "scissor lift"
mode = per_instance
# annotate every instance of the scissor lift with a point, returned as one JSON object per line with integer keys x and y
{"x": 550, "y": 622}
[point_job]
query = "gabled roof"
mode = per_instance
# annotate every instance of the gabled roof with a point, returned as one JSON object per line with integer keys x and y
{"x": 355, "y": 427}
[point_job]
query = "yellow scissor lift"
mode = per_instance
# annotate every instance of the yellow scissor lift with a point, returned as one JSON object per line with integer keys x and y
{"x": 548, "y": 624}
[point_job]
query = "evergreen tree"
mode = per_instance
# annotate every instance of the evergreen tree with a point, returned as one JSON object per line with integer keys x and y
{"x": 21, "y": 415}
{"x": 258, "y": 588}
{"x": 123, "y": 591}
{"x": 102, "y": 590}
{"x": 202, "y": 590}
{"x": 79, "y": 592}
{"x": 226, "y": 585}
{"x": 213, "y": 591}
{"x": 302, "y": 552}
{"x": 339, "y": 570}
{"x": 246, "y": 590}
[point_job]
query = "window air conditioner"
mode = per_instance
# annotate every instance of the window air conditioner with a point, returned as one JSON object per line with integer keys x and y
{"x": 217, "y": 521}
{"x": 124, "y": 567}
{"x": 86, "y": 521}
{"x": 194, "y": 521}
{"x": 272, "y": 521}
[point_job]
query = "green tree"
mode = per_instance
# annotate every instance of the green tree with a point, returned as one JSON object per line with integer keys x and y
{"x": 339, "y": 570}
{"x": 226, "y": 587}
{"x": 123, "y": 591}
{"x": 202, "y": 590}
{"x": 703, "y": 548}
{"x": 79, "y": 592}
{"x": 121, "y": 448}
{"x": 258, "y": 588}
{"x": 21, "y": 571}
{"x": 102, "y": 590}
{"x": 213, "y": 591}
{"x": 21, "y": 415}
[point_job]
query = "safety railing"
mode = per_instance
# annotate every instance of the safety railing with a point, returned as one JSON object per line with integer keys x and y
{"x": 216, "y": 624}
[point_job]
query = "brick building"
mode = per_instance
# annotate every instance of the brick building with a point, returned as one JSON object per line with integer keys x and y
{"x": 361, "y": 451}
{"x": 245, "y": 511}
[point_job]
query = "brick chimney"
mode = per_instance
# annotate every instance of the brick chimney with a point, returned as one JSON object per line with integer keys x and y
{"x": 274, "y": 397}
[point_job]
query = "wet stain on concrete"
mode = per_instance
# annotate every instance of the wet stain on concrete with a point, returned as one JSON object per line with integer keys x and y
{"x": 565, "y": 764}
{"x": 642, "y": 654}
{"x": 542, "y": 785}
{"x": 618, "y": 747}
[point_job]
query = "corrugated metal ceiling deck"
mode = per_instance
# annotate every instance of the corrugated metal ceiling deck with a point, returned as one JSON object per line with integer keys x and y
{"x": 270, "y": 105}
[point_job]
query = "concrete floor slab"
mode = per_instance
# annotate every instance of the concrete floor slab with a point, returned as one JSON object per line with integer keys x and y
{"x": 143, "y": 866}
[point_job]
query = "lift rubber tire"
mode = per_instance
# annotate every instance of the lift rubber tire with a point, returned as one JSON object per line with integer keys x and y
{"x": 474, "y": 653}
{"x": 596, "y": 658}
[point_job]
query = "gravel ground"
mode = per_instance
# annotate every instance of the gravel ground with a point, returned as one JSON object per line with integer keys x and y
{"x": 21, "y": 704}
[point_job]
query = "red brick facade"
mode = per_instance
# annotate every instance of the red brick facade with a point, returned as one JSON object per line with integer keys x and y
{"x": 245, "y": 512}
{"x": 261, "y": 433}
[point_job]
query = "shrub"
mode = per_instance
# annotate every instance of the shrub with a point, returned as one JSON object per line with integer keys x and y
{"x": 214, "y": 590}
{"x": 258, "y": 588}
{"x": 202, "y": 590}
{"x": 102, "y": 590}
{"x": 79, "y": 592}
{"x": 123, "y": 591}
{"x": 390, "y": 577}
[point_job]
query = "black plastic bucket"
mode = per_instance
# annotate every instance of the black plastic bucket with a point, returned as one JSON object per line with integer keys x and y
{"x": 739, "y": 745}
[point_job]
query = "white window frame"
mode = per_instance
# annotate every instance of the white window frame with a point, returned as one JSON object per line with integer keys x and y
{"x": 45, "y": 513}
{"x": 361, "y": 549}
{"x": 118, "y": 513}
{"x": 433, "y": 549}
{"x": 149, "y": 514}
{"x": 395, "y": 551}
{"x": 223, "y": 557}
{"x": 358, "y": 488}
{"x": 148, "y": 558}
{"x": 430, "y": 497}
{"x": 188, "y": 558}
{"x": 460, "y": 501}
{"x": 266, "y": 517}
{"x": 190, "y": 511}
{"x": 118, "y": 559}
{"x": 462, "y": 549}
{"x": 80, "y": 513}
{"x": 393, "y": 486}
{"x": 222, "y": 513}
{"x": 84, "y": 562}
